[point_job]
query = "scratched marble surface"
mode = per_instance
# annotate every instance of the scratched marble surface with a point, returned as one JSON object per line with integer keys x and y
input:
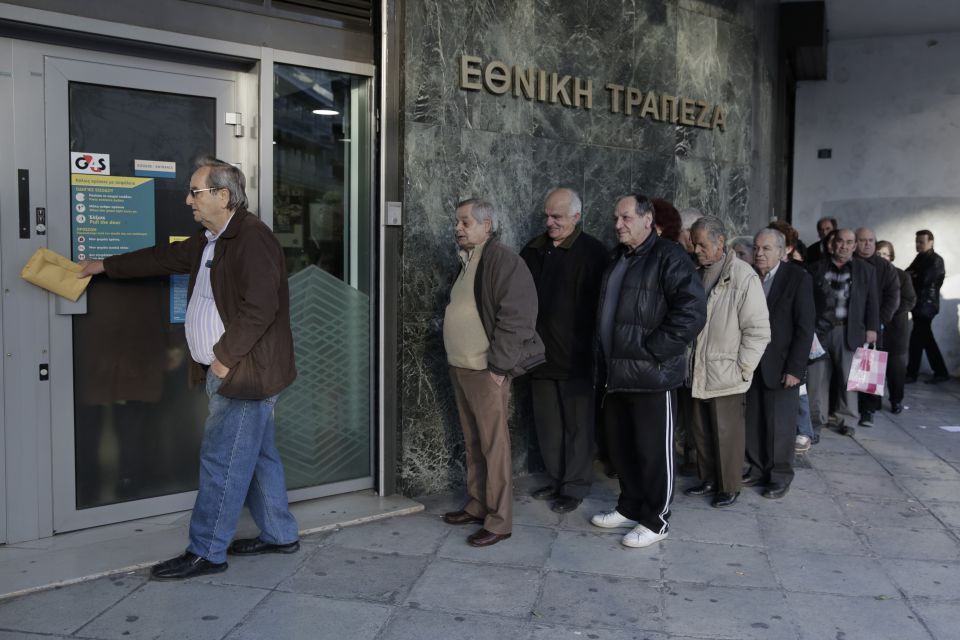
{"x": 464, "y": 143}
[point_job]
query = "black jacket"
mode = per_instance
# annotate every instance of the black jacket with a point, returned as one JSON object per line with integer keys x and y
{"x": 660, "y": 308}
{"x": 863, "y": 307}
{"x": 888, "y": 287}
{"x": 567, "y": 277}
{"x": 792, "y": 319}
{"x": 927, "y": 272}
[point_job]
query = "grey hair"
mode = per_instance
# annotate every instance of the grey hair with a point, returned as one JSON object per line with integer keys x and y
{"x": 482, "y": 211}
{"x": 689, "y": 216}
{"x": 746, "y": 241}
{"x": 644, "y": 204}
{"x": 712, "y": 225}
{"x": 779, "y": 237}
{"x": 574, "y": 203}
{"x": 224, "y": 175}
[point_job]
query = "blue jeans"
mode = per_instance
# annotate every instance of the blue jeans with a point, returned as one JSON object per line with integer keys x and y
{"x": 804, "y": 427}
{"x": 239, "y": 464}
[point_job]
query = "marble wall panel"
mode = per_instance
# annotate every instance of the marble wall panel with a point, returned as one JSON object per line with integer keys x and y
{"x": 459, "y": 144}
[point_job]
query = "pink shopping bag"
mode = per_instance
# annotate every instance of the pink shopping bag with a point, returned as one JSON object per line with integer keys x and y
{"x": 868, "y": 372}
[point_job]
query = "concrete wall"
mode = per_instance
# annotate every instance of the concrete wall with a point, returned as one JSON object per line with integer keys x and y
{"x": 458, "y": 144}
{"x": 889, "y": 111}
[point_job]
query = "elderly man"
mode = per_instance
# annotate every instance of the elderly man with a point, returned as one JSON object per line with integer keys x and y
{"x": 566, "y": 265}
{"x": 489, "y": 333}
{"x": 238, "y": 331}
{"x": 651, "y": 307}
{"x": 927, "y": 273}
{"x": 819, "y": 249}
{"x": 774, "y": 395}
{"x": 726, "y": 353}
{"x": 687, "y": 218}
{"x": 848, "y": 315}
{"x": 888, "y": 299}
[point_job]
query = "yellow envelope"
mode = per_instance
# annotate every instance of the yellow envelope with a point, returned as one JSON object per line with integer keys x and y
{"x": 51, "y": 271}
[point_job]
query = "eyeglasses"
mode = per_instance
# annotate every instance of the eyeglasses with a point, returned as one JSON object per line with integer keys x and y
{"x": 194, "y": 192}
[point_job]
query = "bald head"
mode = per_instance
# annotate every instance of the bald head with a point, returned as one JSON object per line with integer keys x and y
{"x": 866, "y": 242}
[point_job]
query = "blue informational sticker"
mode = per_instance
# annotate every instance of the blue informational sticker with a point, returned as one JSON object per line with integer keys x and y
{"x": 111, "y": 215}
{"x": 178, "y": 298}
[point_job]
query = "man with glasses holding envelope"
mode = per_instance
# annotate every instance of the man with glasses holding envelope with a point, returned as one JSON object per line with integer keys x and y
{"x": 238, "y": 331}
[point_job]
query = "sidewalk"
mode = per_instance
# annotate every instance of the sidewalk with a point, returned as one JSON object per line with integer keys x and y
{"x": 865, "y": 545}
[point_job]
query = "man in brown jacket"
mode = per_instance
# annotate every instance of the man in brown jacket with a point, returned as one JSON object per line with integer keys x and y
{"x": 238, "y": 331}
{"x": 489, "y": 333}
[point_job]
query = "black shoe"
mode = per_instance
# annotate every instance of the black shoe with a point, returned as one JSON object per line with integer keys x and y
{"x": 565, "y": 504}
{"x": 775, "y": 490}
{"x": 937, "y": 379}
{"x": 545, "y": 493}
{"x": 866, "y": 419}
{"x": 724, "y": 499}
{"x": 256, "y": 546}
{"x": 896, "y": 407}
{"x": 815, "y": 439}
{"x": 910, "y": 379}
{"x": 186, "y": 566}
{"x": 703, "y": 489}
{"x": 749, "y": 481}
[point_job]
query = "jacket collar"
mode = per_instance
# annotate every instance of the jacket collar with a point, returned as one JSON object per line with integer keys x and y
{"x": 543, "y": 240}
{"x": 233, "y": 227}
{"x": 644, "y": 247}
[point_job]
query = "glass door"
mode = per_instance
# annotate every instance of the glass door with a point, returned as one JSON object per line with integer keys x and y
{"x": 127, "y": 424}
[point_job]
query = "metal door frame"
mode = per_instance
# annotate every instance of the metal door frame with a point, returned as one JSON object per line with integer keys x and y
{"x": 58, "y": 73}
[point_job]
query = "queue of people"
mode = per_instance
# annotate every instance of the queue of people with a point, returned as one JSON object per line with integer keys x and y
{"x": 731, "y": 355}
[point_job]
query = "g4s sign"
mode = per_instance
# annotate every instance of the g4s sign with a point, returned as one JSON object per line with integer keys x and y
{"x": 95, "y": 163}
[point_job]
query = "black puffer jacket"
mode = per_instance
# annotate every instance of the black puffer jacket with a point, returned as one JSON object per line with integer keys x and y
{"x": 927, "y": 273}
{"x": 661, "y": 308}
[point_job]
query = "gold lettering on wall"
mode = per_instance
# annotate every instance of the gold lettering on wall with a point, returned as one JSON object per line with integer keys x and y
{"x": 499, "y": 78}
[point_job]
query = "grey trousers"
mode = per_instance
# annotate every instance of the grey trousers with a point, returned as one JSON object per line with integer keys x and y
{"x": 832, "y": 369}
{"x": 564, "y": 417}
{"x": 719, "y": 432}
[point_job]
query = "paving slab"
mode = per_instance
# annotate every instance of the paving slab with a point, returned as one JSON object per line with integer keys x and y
{"x": 939, "y": 490}
{"x": 352, "y": 573}
{"x": 527, "y": 546}
{"x": 948, "y": 512}
{"x": 917, "y": 544}
{"x": 265, "y": 571}
{"x": 840, "y": 575}
{"x": 932, "y": 468}
{"x": 412, "y": 535}
{"x": 924, "y": 578}
{"x": 716, "y": 525}
{"x": 900, "y": 513}
{"x": 66, "y": 609}
{"x": 847, "y": 463}
{"x": 297, "y": 616}
{"x": 544, "y": 632}
{"x": 420, "y": 624}
{"x": 942, "y": 619}
{"x": 526, "y": 510}
{"x": 820, "y": 617}
{"x": 466, "y": 587}
{"x": 797, "y": 534}
{"x": 176, "y": 610}
{"x": 592, "y": 601}
{"x": 602, "y": 553}
{"x": 727, "y": 612}
{"x": 717, "y": 564}
{"x": 871, "y": 486}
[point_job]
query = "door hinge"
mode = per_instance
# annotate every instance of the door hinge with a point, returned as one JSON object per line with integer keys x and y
{"x": 235, "y": 119}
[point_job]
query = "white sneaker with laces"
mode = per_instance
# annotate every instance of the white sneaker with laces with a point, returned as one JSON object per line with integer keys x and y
{"x": 802, "y": 444}
{"x": 612, "y": 520}
{"x": 641, "y": 537}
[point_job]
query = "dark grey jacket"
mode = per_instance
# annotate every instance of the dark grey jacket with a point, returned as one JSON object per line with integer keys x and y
{"x": 927, "y": 272}
{"x": 507, "y": 301}
{"x": 660, "y": 309}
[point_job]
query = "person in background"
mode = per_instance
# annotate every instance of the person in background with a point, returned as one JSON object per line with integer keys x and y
{"x": 897, "y": 332}
{"x": 927, "y": 273}
{"x": 688, "y": 217}
{"x": 818, "y": 250}
{"x": 667, "y": 219}
{"x": 742, "y": 246}
{"x": 566, "y": 264}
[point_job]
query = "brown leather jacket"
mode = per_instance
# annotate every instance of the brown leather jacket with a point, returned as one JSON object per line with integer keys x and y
{"x": 249, "y": 282}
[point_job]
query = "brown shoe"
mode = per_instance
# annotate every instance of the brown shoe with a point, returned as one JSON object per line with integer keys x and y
{"x": 484, "y": 538}
{"x": 461, "y": 517}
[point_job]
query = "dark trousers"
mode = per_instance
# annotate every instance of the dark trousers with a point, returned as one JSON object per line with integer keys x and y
{"x": 771, "y": 431}
{"x": 921, "y": 339}
{"x": 830, "y": 373}
{"x": 896, "y": 347}
{"x": 564, "y": 418}
{"x": 639, "y": 428}
{"x": 719, "y": 432}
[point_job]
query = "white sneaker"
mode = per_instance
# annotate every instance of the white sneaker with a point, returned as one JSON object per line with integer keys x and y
{"x": 641, "y": 537}
{"x": 802, "y": 444}
{"x": 612, "y": 520}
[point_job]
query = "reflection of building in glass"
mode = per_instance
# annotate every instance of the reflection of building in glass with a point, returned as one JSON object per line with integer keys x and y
{"x": 309, "y": 166}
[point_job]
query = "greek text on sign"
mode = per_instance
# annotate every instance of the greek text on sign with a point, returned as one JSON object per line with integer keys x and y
{"x": 499, "y": 78}
{"x": 97, "y": 164}
{"x": 111, "y": 215}
{"x": 154, "y": 169}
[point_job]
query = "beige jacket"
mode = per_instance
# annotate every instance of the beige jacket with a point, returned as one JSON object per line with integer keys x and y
{"x": 732, "y": 342}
